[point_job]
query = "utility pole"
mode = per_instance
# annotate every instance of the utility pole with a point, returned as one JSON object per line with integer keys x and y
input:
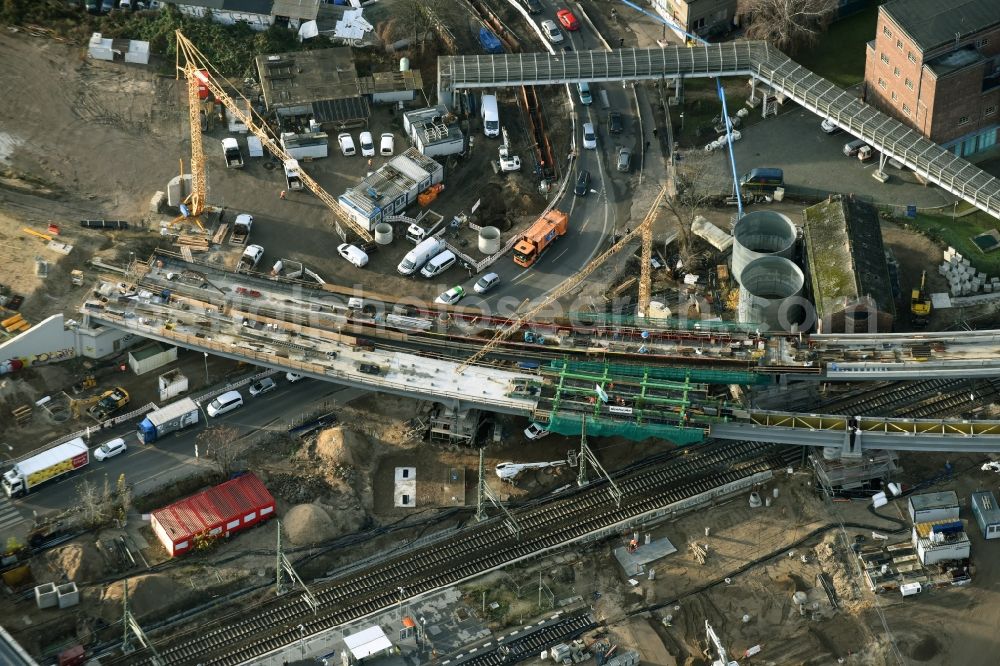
{"x": 284, "y": 567}
{"x": 481, "y": 491}
{"x": 581, "y": 475}
{"x": 586, "y": 455}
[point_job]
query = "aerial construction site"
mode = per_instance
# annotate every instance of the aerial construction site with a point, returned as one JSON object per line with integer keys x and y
{"x": 480, "y": 332}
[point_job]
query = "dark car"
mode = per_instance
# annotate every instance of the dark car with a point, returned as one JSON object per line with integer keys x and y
{"x": 370, "y": 369}
{"x": 533, "y": 6}
{"x": 582, "y": 184}
{"x": 615, "y": 123}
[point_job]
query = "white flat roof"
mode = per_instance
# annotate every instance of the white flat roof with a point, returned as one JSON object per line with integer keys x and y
{"x": 367, "y": 642}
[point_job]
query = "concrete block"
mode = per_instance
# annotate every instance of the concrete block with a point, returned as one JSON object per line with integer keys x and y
{"x": 988, "y": 288}
{"x": 966, "y": 263}
{"x": 950, "y": 252}
{"x": 981, "y": 276}
{"x": 68, "y": 595}
{"x": 46, "y": 595}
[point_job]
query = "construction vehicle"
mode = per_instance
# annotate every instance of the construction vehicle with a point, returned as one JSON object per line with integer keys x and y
{"x": 508, "y": 471}
{"x": 539, "y": 236}
{"x": 241, "y": 229}
{"x": 231, "y": 151}
{"x": 200, "y": 74}
{"x": 292, "y": 178}
{"x": 508, "y": 162}
{"x": 165, "y": 420}
{"x": 920, "y": 305}
{"x": 109, "y": 403}
{"x": 45, "y": 466}
{"x": 251, "y": 257}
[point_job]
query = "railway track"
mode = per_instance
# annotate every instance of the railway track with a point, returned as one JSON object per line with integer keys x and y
{"x": 526, "y": 644}
{"x": 884, "y": 399}
{"x": 483, "y": 547}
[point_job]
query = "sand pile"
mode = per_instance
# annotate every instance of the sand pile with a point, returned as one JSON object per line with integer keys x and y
{"x": 148, "y": 594}
{"x": 306, "y": 524}
{"x": 80, "y": 562}
{"x": 341, "y": 447}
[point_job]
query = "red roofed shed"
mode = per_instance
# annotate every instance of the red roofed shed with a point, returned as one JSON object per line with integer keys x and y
{"x": 219, "y": 511}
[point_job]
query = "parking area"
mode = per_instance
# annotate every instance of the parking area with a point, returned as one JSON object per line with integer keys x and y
{"x": 814, "y": 163}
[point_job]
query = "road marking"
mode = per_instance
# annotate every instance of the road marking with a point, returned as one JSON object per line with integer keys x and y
{"x": 9, "y": 514}
{"x": 521, "y": 276}
{"x": 556, "y": 258}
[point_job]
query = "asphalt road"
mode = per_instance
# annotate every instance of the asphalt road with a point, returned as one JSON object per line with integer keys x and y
{"x": 174, "y": 456}
{"x": 592, "y": 217}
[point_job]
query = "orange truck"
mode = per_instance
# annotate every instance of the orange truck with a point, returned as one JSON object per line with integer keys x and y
{"x": 539, "y": 236}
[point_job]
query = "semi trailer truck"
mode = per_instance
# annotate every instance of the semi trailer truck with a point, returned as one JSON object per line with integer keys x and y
{"x": 58, "y": 461}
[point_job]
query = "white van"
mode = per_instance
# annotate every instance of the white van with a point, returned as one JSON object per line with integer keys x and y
{"x": 225, "y": 403}
{"x": 491, "y": 116}
{"x": 439, "y": 264}
{"x": 420, "y": 255}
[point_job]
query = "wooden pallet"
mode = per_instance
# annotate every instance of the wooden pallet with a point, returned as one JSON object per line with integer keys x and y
{"x": 220, "y": 234}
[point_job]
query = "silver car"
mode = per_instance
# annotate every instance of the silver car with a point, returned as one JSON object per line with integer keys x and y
{"x": 485, "y": 283}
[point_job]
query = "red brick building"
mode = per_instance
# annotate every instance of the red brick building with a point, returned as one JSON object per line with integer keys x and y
{"x": 935, "y": 65}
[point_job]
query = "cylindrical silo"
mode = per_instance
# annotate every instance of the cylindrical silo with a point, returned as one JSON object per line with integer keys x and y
{"x": 759, "y": 234}
{"x": 489, "y": 240}
{"x": 770, "y": 294}
{"x": 383, "y": 233}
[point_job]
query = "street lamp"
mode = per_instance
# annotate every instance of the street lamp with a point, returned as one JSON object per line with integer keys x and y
{"x": 206, "y": 367}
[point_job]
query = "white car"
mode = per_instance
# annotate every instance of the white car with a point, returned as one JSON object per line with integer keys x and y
{"x": 485, "y": 283}
{"x": 829, "y": 126}
{"x": 263, "y": 386}
{"x": 353, "y": 254}
{"x": 535, "y": 431}
{"x": 388, "y": 144}
{"x": 552, "y": 31}
{"x": 367, "y": 144}
{"x": 110, "y": 449}
{"x": 589, "y": 137}
{"x": 292, "y": 377}
{"x": 450, "y": 297}
{"x": 346, "y": 144}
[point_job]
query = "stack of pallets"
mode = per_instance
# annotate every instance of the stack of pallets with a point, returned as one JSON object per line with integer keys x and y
{"x": 193, "y": 243}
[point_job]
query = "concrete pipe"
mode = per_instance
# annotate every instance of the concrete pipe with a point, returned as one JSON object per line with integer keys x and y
{"x": 759, "y": 234}
{"x": 383, "y": 233}
{"x": 770, "y": 294}
{"x": 489, "y": 240}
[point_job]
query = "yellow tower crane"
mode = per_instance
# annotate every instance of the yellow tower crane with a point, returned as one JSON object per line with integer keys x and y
{"x": 199, "y": 70}
{"x": 568, "y": 285}
{"x": 195, "y": 202}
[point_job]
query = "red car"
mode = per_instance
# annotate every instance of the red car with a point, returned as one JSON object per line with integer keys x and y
{"x": 567, "y": 20}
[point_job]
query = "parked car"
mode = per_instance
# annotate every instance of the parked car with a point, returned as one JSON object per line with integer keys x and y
{"x": 552, "y": 31}
{"x": 568, "y": 20}
{"x": 369, "y": 369}
{"x": 589, "y": 136}
{"x": 485, "y": 283}
{"x": 353, "y": 254}
{"x": 533, "y": 6}
{"x": 615, "y": 124}
{"x": 388, "y": 144}
{"x": 110, "y": 449}
{"x": 829, "y": 126}
{"x": 263, "y": 386}
{"x": 367, "y": 144}
{"x": 346, "y": 144}
{"x": 225, "y": 403}
{"x": 582, "y": 184}
{"x": 624, "y": 159}
{"x": 535, "y": 431}
{"x": 450, "y": 297}
{"x": 292, "y": 377}
{"x": 851, "y": 148}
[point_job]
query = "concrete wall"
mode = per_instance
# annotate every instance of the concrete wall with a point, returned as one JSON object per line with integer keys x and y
{"x": 255, "y": 21}
{"x": 51, "y": 340}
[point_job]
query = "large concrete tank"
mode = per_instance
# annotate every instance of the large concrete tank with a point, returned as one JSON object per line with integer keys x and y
{"x": 759, "y": 234}
{"x": 489, "y": 240}
{"x": 383, "y": 233}
{"x": 770, "y": 294}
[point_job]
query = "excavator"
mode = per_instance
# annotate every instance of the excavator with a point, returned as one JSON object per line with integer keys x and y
{"x": 920, "y": 304}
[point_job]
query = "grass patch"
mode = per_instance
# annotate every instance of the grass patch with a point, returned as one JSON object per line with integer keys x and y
{"x": 840, "y": 54}
{"x": 702, "y": 106}
{"x": 958, "y": 234}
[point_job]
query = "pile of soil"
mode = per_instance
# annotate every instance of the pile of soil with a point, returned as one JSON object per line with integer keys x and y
{"x": 79, "y": 562}
{"x": 147, "y": 594}
{"x": 308, "y": 523}
{"x": 340, "y": 447}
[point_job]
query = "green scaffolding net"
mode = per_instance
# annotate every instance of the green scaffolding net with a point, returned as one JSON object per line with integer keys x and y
{"x": 597, "y": 427}
{"x": 696, "y": 375}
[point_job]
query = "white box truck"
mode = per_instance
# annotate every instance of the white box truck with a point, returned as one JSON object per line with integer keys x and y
{"x": 45, "y": 466}
{"x": 420, "y": 255}
{"x": 491, "y": 116}
{"x": 166, "y": 420}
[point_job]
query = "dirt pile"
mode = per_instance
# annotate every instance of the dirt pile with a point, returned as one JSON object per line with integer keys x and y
{"x": 341, "y": 448}
{"x": 151, "y": 593}
{"x": 308, "y": 523}
{"x": 79, "y": 562}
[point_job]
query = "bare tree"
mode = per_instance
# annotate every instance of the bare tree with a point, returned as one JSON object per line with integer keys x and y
{"x": 418, "y": 17}
{"x": 788, "y": 24}
{"x": 698, "y": 183}
{"x": 123, "y": 498}
{"x": 221, "y": 444}
{"x": 95, "y": 503}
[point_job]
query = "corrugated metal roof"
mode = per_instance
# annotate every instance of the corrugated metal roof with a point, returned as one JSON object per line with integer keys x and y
{"x": 932, "y": 23}
{"x": 214, "y": 506}
{"x": 344, "y": 110}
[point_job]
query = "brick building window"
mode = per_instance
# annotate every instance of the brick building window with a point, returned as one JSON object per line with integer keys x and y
{"x": 963, "y": 120}
{"x": 911, "y": 57}
{"x": 906, "y": 109}
{"x": 885, "y": 58}
{"x": 895, "y": 70}
{"x": 980, "y": 43}
{"x": 881, "y": 84}
{"x": 899, "y": 44}
{"x": 894, "y": 96}
{"x": 886, "y": 31}
{"x": 909, "y": 84}
{"x": 990, "y": 110}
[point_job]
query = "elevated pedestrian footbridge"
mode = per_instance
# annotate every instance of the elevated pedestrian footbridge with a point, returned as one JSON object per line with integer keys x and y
{"x": 763, "y": 62}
